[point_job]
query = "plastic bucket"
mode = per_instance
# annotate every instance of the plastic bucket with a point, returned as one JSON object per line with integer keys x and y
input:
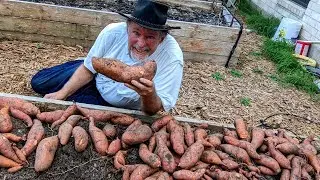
{"x": 288, "y": 30}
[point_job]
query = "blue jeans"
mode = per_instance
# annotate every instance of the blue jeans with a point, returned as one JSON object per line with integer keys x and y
{"x": 52, "y": 79}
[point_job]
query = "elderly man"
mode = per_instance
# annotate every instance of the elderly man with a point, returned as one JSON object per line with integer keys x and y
{"x": 143, "y": 37}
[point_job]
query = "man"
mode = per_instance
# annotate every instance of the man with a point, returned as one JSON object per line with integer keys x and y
{"x": 142, "y": 38}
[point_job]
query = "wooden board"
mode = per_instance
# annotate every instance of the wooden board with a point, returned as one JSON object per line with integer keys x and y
{"x": 50, "y": 104}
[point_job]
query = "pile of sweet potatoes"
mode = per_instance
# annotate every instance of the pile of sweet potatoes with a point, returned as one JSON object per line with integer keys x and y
{"x": 168, "y": 148}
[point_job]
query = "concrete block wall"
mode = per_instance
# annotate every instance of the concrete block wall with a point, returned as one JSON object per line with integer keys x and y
{"x": 309, "y": 17}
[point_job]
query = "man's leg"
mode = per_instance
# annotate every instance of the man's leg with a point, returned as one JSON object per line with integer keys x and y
{"x": 52, "y": 79}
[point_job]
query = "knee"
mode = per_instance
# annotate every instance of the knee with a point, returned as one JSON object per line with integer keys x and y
{"x": 36, "y": 84}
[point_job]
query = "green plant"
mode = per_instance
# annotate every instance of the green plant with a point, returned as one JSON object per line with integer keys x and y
{"x": 236, "y": 73}
{"x": 245, "y": 101}
{"x": 273, "y": 77}
{"x": 218, "y": 76}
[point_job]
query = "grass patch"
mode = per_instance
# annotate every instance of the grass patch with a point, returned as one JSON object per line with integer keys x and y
{"x": 245, "y": 101}
{"x": 218, "y": 76}
{"x": 236, "y": 73}
{"x": 257, "y": 70}
{"x": 289, "y": 71}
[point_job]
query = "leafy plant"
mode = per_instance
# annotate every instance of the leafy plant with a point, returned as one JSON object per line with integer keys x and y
{"x": 218, "y": 76}
{"x": 236, "y": 73}
{"x": 245, "y": 101}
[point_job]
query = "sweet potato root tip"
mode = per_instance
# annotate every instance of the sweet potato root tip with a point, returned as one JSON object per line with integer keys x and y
{"x": 21, "y": 115}
{"x": 68, "y": 112}
{"x": 161, "y": 122}
{"x": 119, "y": 161}
{"x": 5, "y": 120}
{"x": 7, "y": 163}
{"x": 45, "y": 153}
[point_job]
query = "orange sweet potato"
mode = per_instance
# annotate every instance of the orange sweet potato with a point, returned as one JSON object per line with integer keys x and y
{"x": 192, "y": 155}
{"x": 269, "y": 162}
{"x": 20, "y": 104}
{"x": 257, "y": 135}
{"x": 19, "y": 153}
{"x": 188, "y": 134}
{"x": 288, "y": 148}
{"x": 114, "y": 147}
{"x": 99, "y": 139}
{"x": 121, "y": 72}
{"x": 68, "y": 112}
{"x": 119, "y": 161}
{"x": 45, "y": 153}
{"x": 201, "y": 135}
{"x": 81, "y": 138}
{"x": 148, "y": 157}
{"x": 138, "y": 135}
{"x": 50, "y": 116}
{"x": 65, "y": 130}
{"x": 8, "y": 163}
{"x": 214, "y": 139}
{"x": 161, "y": 122}
{"x": 244, "y": 145}
{"x": 277, "y": 155}
{"x": 5, "y": 120}
{"x": 152, "y": 143}
{"x": 210, "y": 157}
{"x": 122, "y": 119}
{"x": 127, "y": 170}
{"x": 285, "y": 175}
{"x": 142, "y": 172}
{"x": 109, "y": 130}
{"x": 177, "y": 138}
{"x": 237, "y": 152}
{"x": 267, "y": 171}
{"x": 21, "y": 115}
{"x": 34, "y": 136}
{"x": 13, "y": 137}
{"x": 187, "y": 174}
{"x": 241, "y": 128}
{"x": 167, "y": 160}
{"x": 7, "y": 150}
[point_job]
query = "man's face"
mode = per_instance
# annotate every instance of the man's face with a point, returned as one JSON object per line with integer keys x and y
{"x": 142, "y": 41}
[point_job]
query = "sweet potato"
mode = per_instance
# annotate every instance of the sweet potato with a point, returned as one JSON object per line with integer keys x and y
{"x": 222, "y": 155}
{"x": 312, "y": 158}
{"x": 45, "y": 153}
{"x": 267, "y": 171}
{"x": 8, "y": 163}
{"x": 224, "y": 175}
{"x": 127, "y": 170}
{"x": 152, "y": 143}
{"x": 214, "y": 140}
{"x": 122, "y": 119}
{"x": 305, "y": 175}
{"x": 290, "y": 139}
{"x": 7, "y": 150}
{"x": 192, "y": 155}
{"x": 200, "y": 165}
{"x": 99, "y": 139}
{"x": 5, "y": 120}
{"x": 296, "y": 168}
{"x": 231, "y": 133}
{"x": 114, "y": 147}
{"x": 188, "y": 134}
{"x": 98, "y": 115}
{"x": 306, "y": 144}
{"x": 285, "y": 175}
{"x": 121, "y": 72}
{"x": 51, "y": 116}
{"x": 269, "y": 162}
{"x": 244, "y": 145}
{"x": 229, "y": 164}
{"x": 201, "y": 135}
{"x": 109, "y": 130}
{"x": 13, "y": 137}
{"x": 237, "y": 152}
{"x": 277, "y": 155}
{"x": 161, "y": 122}
{"x": 81, "y": 138}
{"x": 21, "y": 115}
{"x": 142, "y": 172}
{"x": 34, "y": 136}
{"x": 177, "y": 138}
{"x": 139, "y": 135}
{"x": 20, "y": 104}
{"x": 19, "y": 153}
{"x": 68, "y": 112}
{"x": 65, "y": 130}
{"x": 210, "y": 157}
{"x": 288, "y": 148}
{"x": 257, "y": 135}
{"x": 15, "y": 169}
{"x": 167, "y": 160}
{"x": 276, "y": 140}
{"x": 187, "y": 174}
{"x": 164, "y": 176}
{"x": 155, "y": 176}
{"x": 241, "y": 128}
{"x": 119, "y": 161}
{"x": 148, "y": 157}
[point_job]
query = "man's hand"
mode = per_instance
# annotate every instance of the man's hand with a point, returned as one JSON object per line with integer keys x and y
{"x": 59, "y": 95}
{"x": 143, "y": 87}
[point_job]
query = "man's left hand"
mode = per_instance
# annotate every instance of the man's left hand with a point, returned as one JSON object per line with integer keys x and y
{"x": 143, "y": 87}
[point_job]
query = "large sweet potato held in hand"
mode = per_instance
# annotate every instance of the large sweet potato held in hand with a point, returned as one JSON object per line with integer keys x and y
{"x": 121, "y": 72}
{"x": 45, "y": 153}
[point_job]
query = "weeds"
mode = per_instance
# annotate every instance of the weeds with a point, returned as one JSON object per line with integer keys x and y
{"x": 218, "y": 76}
{"x": 236, "y": 73}
{"x": 245, "y": 101}
{"x": 257, "y": 71}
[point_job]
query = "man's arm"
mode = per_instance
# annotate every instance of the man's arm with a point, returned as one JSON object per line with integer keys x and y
{"x": 150, "y": 101}
{"x": 80, "y": 77}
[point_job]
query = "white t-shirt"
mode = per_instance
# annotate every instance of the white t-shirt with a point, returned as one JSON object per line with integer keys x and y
{"x": 112, "y": 42}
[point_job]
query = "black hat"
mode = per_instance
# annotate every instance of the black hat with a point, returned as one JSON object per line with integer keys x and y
{"x": 151, "y": 15}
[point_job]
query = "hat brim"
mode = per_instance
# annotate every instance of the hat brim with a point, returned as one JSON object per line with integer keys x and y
{"x": 147, "y": 25}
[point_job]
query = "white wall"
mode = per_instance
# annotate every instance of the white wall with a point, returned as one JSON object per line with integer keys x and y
{"x": 309, "y": 17}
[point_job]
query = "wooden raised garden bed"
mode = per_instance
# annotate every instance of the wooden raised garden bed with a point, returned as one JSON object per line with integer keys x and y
{"x": 76, "y": 26}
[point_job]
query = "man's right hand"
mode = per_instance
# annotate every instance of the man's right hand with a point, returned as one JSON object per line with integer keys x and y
{"x": 59, "y": 95}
